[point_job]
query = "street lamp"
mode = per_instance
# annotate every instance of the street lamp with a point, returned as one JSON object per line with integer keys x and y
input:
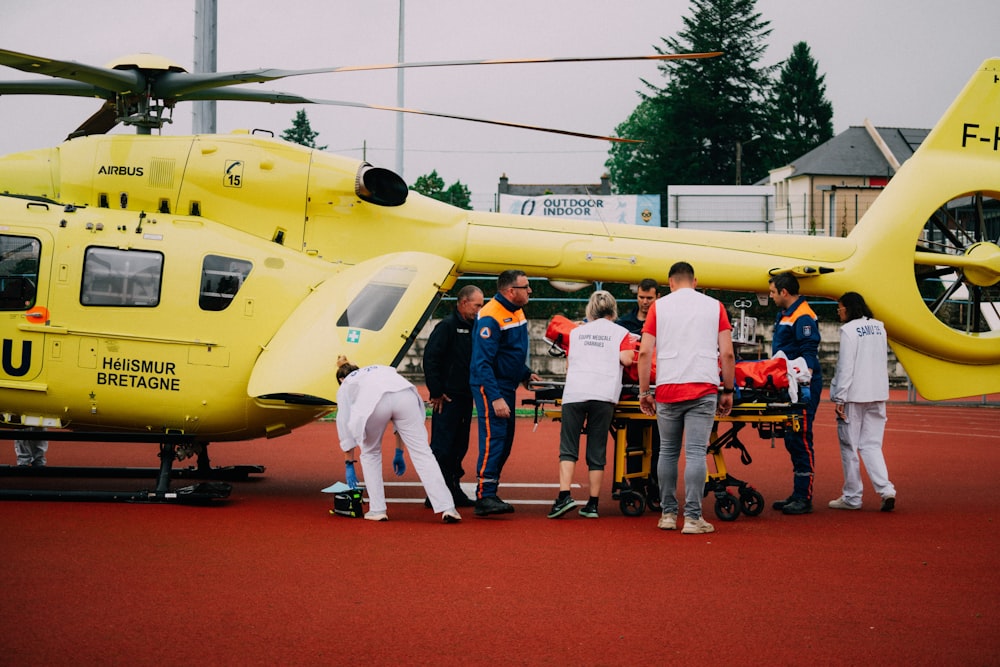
{"x": 739, "y": 156}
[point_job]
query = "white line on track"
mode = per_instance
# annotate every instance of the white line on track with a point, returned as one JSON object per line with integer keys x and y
{"x": 470, "y": 490}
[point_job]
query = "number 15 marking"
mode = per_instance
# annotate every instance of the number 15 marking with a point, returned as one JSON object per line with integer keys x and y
{"x": 234, "y": 174}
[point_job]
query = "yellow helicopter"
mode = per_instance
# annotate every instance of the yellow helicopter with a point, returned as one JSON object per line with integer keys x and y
{"x": 203, "y": 286}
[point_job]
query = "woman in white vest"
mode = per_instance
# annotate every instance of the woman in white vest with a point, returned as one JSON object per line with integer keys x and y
{"x": 859, "y": 391}
{"x": 369, "y": 398}
{"x": 597, "y": 351}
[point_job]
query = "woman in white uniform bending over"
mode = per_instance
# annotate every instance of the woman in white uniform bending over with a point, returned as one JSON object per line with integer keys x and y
{"x": 859, "y": 391}
{"x": 369, "y": 398}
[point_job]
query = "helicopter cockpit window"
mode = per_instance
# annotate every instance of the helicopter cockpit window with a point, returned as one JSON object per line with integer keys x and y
{"x": 376, "y": 301}
{"x": 18, "y": 271}
{"x": 113, "y": 277}
{"x": 221, "y": 279}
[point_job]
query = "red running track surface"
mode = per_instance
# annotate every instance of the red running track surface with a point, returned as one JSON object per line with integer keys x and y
{"x": 269, "y": 577}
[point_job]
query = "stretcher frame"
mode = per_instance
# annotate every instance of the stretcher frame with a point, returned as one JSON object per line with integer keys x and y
{"x": 632, "y": 467}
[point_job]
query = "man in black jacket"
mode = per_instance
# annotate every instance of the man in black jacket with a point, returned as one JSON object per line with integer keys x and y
{"x": 646, "y": 294}
{"x": 446, "y": 373}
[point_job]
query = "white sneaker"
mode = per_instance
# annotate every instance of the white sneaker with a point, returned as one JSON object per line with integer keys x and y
{"x": 667, "y": 521}
{"x": 697, "y": 526}
{"x": 451, "y": 516}
{"x": 377, "y": 516}
{"x": 841, "y": 504}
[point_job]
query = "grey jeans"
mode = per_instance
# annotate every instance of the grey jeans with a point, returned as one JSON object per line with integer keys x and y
{"x": 675, "y": 420}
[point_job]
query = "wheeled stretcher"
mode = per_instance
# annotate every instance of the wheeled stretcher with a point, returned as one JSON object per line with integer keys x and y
{"x": 770, "y": 421}
{"x": 769, "y": 413}
{"x": 767, "y": 398}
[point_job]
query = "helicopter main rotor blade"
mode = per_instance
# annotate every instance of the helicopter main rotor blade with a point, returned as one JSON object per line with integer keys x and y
{"x": 118, "y": 81}
{"x": 525, "y": 61}
{"x": 53, "y": 87}
{"x": 175, "y": 84}
{"x": 276, "y": 97}
{"x": 158, "y": 79}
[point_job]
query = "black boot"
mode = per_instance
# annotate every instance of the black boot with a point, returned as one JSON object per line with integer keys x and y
{"x": 461, "y": 500}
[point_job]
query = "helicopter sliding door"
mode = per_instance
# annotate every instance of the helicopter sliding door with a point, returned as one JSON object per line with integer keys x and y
{"x": 370, "y": 312}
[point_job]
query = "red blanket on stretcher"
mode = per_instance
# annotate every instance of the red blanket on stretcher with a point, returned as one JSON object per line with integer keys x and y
{"x": 771, "y": 373}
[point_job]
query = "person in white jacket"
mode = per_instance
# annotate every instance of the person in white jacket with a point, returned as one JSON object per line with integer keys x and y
{"x": 369, "y": 398}
{"x": 859, "y": 391}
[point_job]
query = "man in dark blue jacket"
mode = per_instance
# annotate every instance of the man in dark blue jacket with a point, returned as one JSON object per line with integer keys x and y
{"x": 446, "y": 372}
{"x": 796, "y": 333}
{"x": 499, "y": 363}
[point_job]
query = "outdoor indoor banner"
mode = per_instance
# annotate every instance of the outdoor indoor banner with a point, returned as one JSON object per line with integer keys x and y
{"x": 624, "y": 209}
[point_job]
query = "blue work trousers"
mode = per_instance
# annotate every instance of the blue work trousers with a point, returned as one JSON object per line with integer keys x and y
{"x": 496, "y": 435}
{"x": 800, "y": 445}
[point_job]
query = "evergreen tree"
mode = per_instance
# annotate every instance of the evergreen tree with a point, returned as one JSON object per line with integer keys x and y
{"x": 432, "y": 185}
{"x": 637, "y": 168}
{"x": 693, "y": 124}
{"x": 801, "y": 116}
{"x": 458, "y": 195}
{"x": 301, "y": 132}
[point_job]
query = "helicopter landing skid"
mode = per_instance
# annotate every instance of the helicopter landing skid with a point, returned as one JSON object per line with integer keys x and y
{"x": 240, "y": 473}
{"x": 200, "y": 493}
{"x": 196, "y": 494}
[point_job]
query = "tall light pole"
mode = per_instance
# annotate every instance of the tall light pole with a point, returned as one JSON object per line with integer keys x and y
{"x": 739, "y": 157}
{"x": 399, "y": 94}
{"x": 206, "y": 14}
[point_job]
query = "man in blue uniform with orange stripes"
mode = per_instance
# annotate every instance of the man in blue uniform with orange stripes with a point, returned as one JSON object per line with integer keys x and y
{"x": 499, "y": 363}
{"x": 796, "y": 333}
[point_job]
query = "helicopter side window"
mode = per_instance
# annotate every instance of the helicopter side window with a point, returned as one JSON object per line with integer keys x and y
{"x": 113, "y": 277}
{"x": 372, "y": 306}
{"x": 18, "y": 271}
{"x": 376, "y": 301}
{"x": 221, "y": 279}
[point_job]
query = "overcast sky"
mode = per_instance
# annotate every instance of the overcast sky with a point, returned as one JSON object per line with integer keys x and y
{"x": 899, "y": 63}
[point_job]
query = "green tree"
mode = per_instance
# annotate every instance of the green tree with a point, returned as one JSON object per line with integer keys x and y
{"x": 801, "y": 116}
{"x": 432, "y": 185}
{"x": 636, "y": 168}
{"x": 458, "y": 195}
{"x": 301, "y": 132}
{"x": 693, "y": 123}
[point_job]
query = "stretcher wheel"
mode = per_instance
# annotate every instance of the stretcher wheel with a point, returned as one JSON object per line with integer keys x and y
{"x": 653, "y": 496}
{"x": 752, "y": 502}
{"x": 632, "y": 503}
{"x": 727, "y": 507}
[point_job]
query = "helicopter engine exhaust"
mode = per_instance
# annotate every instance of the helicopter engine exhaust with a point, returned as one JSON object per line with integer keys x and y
{"x": 380, "y": 186}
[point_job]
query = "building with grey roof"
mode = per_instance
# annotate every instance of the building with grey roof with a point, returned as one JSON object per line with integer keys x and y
{"x": 827, "y": 190}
